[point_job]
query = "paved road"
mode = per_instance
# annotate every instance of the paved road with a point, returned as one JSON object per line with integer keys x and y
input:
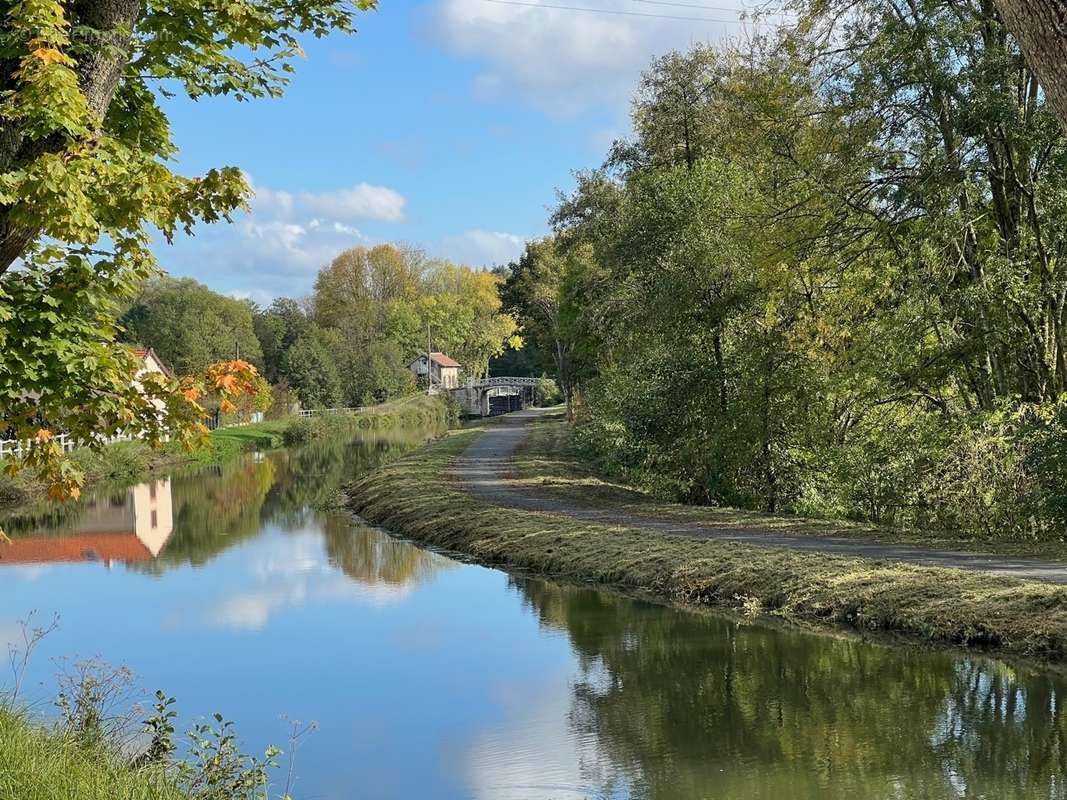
{"x": 485, "y": 464}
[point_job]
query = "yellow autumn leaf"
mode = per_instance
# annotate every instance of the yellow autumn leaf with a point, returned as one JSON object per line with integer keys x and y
{"x": 50, "y": 55}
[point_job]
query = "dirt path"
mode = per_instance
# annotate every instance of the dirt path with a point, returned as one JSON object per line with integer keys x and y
{"x": 484, "y": 466}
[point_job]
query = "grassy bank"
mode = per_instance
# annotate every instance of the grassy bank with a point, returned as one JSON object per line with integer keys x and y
{"x": 415, "y": 497}
{"x": 39, "y": 764}
{"x": 130, "y": 462}
{"x": 548, "y": 462}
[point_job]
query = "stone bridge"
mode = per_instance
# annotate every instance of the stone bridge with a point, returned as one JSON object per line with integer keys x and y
{"x": 484, "y": 397}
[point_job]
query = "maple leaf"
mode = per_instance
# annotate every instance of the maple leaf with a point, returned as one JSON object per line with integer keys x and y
{"x": 43, "y": 435}
{"x": 50, "y": 55}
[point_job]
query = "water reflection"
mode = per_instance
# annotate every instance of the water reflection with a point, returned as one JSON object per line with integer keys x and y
{"x": 128, "y": 526}
{"x": 436, "y": 679}
{"x": 296, "y": 568}
{"x": 684, "y": 705}
{"x": 192, "y": 517}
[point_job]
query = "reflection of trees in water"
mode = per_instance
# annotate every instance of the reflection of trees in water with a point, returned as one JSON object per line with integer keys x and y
{"x": 219, "y": 507}
{"x": 692, "y": 705}
{"x": 310, "y": 476}
{"x": 57, "y": 518}
{"x": 370, "y": 556}
{"x": 214, "y": 509}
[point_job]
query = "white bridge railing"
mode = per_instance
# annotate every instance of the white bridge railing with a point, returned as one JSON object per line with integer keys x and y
{"x": 493, "y": 383}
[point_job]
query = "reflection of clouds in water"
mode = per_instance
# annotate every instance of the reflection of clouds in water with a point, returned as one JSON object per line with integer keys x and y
{"x": 27, "y": 572}
{"x": 10, "y": 634}
{"x": 252, "y": 610}
{"x": 293, "y": 570}
{"x": 535, "y": 752}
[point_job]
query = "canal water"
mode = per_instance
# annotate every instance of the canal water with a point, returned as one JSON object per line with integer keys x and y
{"x": 428, "y": 678}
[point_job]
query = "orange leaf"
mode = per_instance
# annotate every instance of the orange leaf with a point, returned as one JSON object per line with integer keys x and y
{"x": 192, "y": 394}
{"x": 226, "y": 406}
{"x": 226, "y": 381}
{"x": 49, "y": 55}
{"x": 43, "y": 435}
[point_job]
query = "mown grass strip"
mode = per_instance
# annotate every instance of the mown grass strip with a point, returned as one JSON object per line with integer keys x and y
{"x": 415, "y": 497}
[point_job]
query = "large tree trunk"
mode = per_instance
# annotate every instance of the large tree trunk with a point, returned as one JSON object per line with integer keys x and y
{"x": 1040, "y": 27}
{"x": 110, "y": 24}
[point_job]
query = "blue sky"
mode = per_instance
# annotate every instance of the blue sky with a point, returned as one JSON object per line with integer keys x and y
{"x": 446, "y": 124}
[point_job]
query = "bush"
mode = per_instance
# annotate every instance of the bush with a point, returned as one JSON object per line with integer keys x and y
{"x": 548, "y": 392}
{"x": 299, "y": 431}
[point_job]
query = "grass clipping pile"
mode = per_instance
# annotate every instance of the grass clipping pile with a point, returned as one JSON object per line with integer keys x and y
{"x": 415, "y": 497}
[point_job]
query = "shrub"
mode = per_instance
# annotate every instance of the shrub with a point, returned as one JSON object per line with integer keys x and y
{"x": 548, "y": 392}
{"x": 299, "y": 431}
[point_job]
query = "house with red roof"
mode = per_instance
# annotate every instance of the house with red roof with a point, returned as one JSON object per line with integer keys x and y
{"x": 443, "y": 371}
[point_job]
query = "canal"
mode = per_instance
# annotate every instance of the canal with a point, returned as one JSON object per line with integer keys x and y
{"x": 233, "y": 590}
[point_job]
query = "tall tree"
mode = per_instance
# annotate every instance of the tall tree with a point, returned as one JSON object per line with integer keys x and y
{"x": 532, "y": 292}
{"x": 1040, "y": 26}
{"x": 85, "y": 148}
{"x": 189, "y": 326}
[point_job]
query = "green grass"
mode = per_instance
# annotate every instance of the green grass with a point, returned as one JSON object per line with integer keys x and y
{"x": 259, "y": 434}
{"x": 37, "y": 764}
{"x": 547, "y": 461}
{"x": 415, "y": 497}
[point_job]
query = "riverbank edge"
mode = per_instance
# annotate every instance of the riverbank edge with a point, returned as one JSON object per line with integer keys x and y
{"x": 416, "y": 497}
{"x": 134, "y": 461}
{"x": 44, "y": 763}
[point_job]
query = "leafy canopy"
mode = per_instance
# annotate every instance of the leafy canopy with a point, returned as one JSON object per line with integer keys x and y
{"x": 86, "y": 177}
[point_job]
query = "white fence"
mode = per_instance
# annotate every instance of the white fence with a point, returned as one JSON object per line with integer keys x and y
{"x": 16, "y": 447}
{"x": 316, "y": 412}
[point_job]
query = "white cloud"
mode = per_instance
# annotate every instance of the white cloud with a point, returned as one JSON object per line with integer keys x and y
{"x": 362, "y": 201}
{"x": 482, "y": 248}
{"x": 278, "y": 246}
{"x": 566, "y": 61}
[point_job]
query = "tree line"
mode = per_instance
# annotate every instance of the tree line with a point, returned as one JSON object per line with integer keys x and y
{"x": 824, "y": 275}
{"x": 349, "y": 342}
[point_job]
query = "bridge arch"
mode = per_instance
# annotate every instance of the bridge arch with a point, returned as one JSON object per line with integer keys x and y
{"x": 476, "y": 395}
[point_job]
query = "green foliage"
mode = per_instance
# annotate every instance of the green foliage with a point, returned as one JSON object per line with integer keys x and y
{"x": 823, "y": 276}
{"x": 189, "y": 326}
{"x": 41, "y": 765}
{"x": 310, "y": 367}
{"x": 382, "y": 374}
{"x": 85, "y": 178}
{"x": 548, "y": 392}
{"x": 370, "y": 309}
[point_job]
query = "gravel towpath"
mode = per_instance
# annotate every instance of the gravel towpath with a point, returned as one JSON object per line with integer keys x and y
{"x": 484, "y": 467}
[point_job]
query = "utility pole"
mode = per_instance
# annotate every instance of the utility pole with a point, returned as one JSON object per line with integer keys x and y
{"x": 429, "y": 368}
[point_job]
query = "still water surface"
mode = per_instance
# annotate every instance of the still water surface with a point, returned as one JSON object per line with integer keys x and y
{"x": 434, "y": 679}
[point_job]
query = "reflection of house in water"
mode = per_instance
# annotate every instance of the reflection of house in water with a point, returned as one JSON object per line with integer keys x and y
{"x": 127, "y": 527}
